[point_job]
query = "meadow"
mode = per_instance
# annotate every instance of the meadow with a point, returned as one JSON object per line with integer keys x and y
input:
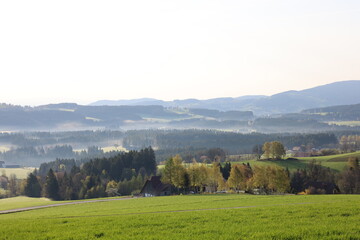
{"x": 21, "y": 202}
{"x": 335, "y": 162}
{"x": 222, "y": 216}
{"x": 21, "y": 173}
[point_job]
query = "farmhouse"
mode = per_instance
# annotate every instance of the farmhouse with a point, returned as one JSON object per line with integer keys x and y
{"x": 154, "y": 187}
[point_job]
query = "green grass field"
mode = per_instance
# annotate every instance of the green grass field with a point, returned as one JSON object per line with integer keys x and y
{"x": 335, "y": 162}
{"x": 193, "y": 217}
{"x": 21, "y": 202}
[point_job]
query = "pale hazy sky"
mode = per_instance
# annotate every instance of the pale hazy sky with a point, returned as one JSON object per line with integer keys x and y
{"x": 83, "y": 51}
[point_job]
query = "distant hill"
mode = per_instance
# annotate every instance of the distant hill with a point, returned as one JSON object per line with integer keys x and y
{"x": 131, "y": 102}
{"x": 336, "y": 113}
{"x": 338, "y": 93}
{"x": 71, "y": 116}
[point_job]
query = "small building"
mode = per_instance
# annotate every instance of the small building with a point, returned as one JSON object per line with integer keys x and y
{"x": 154, "y": 187}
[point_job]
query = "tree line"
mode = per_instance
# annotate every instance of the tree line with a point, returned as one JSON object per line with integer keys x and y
{"x": 200, "y": 177}
{"x": 231, "y": 142}
{"x": 34, "y": 156}
{"x": 125, "y": 174}
{"x": 314, "y": 179}
{"x": 118, "y": 175}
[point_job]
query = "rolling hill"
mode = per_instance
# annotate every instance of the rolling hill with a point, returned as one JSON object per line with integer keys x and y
{"x": 338, "y": 93}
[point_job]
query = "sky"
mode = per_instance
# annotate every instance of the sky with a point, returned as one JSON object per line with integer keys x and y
{"x": 84, "y": 51}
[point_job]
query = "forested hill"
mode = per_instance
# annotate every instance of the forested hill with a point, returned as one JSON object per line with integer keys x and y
{"x": 71, "y": 116}
{"x": 343, "y": 112}
{"x": 338, "y": 93}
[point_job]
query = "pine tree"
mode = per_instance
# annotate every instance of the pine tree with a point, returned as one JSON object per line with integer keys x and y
{"x": 51, "y": 186}
{"x": 32, "y": 186}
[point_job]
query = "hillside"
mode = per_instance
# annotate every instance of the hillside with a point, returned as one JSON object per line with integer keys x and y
{"x": 334, "y": 162}
{"x": 336, "y": 113}
{"x": 235, "y": 114}
{"x": 338, "y": 93}
{"x": 71, "y": 116}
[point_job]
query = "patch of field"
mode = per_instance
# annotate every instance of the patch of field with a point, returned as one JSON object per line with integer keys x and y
{"x": 193, "y": 217}
{"x": 345, "y": 123}
{"x": 22, "y": 202}
{"x": 335, "y": 162}
{"x": 66, "y": 110}
{"x": 292, "y": 165}
{"x": 157, "y": 120}
{"x": 4, "y": 148}
{"x": 25, "y": 202}
{"x": 113, "y": 148}
{"x": 93, "y": 119}
{"x": 21, "y": 173}
{"x": 105, "y": 149}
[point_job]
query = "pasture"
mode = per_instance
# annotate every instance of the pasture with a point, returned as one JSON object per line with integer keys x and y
{"x": 21, "y": 173}
{"x": 335, "y": 162}
{"x": 222, "y": 216}
{"x": 22, "y": 202}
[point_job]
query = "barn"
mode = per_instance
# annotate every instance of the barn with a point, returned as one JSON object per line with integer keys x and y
{"x": 154, "y": 187}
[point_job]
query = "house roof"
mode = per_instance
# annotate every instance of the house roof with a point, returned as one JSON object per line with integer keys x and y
{"x": 156, "y": 184}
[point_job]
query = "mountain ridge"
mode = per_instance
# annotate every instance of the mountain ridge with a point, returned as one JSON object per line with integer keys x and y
{"x": 337, "y": 93}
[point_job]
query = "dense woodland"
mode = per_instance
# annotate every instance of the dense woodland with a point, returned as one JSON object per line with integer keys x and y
{"x": 190, "y": 143}
{"x": 100, "y": 177}
{"x": 35, "y": 156}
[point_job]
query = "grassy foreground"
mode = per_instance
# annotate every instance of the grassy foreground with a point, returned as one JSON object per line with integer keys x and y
{"x": 193, "y": 217}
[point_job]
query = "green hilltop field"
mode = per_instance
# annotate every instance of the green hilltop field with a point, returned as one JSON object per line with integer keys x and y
{"x": 220, "y": 216}
{"x": 335, "y": 162}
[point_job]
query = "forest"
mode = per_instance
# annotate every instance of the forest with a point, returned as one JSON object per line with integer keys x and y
{"x": 95, "y": 178}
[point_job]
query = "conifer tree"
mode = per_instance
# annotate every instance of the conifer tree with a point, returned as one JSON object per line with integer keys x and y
{"x": 32, "y": 186}
{"x": 51, "y": 186}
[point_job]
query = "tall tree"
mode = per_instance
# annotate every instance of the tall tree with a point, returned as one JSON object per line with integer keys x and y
{"x": 215, "y": 177}
{"x": 236, "y": 180}
{"x": 277, "y": 150}
{"x": 349, "y": 180}
{"x": 175, "y": 173}
{"x": 32, "y": 186}
{"x": 279, "y": 180}
{"x": 13, "y": 185}
{"x": 267, "y": 149}
{"x": 225, "y": 170}
{"x": 51, "y": 186}
{"x": 258, "y": 151}
{"x": 169, "y": 171}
